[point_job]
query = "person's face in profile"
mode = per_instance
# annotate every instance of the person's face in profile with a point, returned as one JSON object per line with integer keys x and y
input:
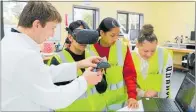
{"x": 111, "y": 36}
{"x": 146, "y": 49}
{"x": 42, "y": 33}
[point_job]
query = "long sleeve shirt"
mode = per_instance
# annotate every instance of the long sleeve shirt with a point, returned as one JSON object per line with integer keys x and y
{"x": 129, "y": 72}
{"x": 28, "y": 84}
{"x": 167, "y": 72}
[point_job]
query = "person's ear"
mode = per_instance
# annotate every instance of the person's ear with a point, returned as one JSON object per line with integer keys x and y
{"x": 70, "y": 38}
{"x": 102, "y": 33}
{"x": 36, "y": 24}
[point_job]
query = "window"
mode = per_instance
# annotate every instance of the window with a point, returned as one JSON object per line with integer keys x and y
{"x": 131, "y": 23}
{"x": 11, "y": 13}
{"x": 123, "y": 20}
{"x": 87, "y": 14}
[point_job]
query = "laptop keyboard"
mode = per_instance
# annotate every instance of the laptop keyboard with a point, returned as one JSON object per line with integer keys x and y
{"x": 164, "y": 104}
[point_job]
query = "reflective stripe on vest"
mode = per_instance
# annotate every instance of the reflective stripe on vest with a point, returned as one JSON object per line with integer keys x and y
{"x": 62, "y": 57}
{"x": 121, "y": 63}
{"x": 117, "y": 86}
{"x": 160, "y": 59}
{"x": 116, "y": 106}
{"x": 119, "y": 52}
{"x": 165, "y": 91}
{"x": 161, "y": 64}
{"x": 93, "y": 91}
{"x": 92, "y": 53}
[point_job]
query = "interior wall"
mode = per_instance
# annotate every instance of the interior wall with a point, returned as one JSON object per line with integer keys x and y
{"x": 173, "y": 19}
{"x": 170, "y": 19}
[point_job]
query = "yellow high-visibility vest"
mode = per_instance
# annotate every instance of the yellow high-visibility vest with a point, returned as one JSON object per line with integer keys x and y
{"x": 157, "y": 78}
{"x": 116, "y": 93}
{"x": 91, "y": 100}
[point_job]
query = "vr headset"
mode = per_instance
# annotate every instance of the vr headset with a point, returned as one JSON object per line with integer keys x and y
{"x": 84, "y": 36}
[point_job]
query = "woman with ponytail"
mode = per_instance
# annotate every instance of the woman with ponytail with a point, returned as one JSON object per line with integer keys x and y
{"x": 119, "y": 57}
{"x": 153, "y": 65}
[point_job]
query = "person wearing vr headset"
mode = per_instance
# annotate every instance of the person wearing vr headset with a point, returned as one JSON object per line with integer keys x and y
{"x": 119, "y": 57}
{"x": 73, "y": 27}
{"x": 77, "y": 52}
{"x": 153, "y": 64}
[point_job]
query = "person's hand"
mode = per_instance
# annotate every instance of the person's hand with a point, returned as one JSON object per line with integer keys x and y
{"x": 91, "y": 77}
{"x": 132, "y": 103}
{"x": 150, "y": 93}
{"x": 89, "y": 62}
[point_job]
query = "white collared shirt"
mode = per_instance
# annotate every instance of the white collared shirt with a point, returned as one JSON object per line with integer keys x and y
{"x": 144, "y": 64}
{"x": 27, "y": 83}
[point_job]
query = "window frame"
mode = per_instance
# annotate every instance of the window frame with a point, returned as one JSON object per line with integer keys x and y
{"x": 95, "y": 15}
{"x": 127, "y": 27}
{"x": 127, "y": 22}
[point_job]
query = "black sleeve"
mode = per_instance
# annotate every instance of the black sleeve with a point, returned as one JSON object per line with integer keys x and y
{"x": 101, "y": 86}
{"x": 62, "y": 83}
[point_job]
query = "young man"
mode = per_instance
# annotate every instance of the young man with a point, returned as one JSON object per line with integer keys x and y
{"x": 27, "y": 83}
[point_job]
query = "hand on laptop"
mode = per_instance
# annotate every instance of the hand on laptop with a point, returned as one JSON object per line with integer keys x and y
{"x": 132, "y": 103}
{"x": 151, "y": 93}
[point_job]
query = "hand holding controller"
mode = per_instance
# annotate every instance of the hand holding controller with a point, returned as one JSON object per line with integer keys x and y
{"x": 101, "y": 65}
{"x": 101, "y": 86}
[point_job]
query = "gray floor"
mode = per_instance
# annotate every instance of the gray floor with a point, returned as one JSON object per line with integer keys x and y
{"x": 176, "y": 81}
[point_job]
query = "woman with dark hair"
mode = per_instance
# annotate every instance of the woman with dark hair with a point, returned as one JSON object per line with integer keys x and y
{"x": 119, "y": 57}
{"x": 153, "y": 65}
{"x": 72, "y": 27}
{"x": 75, "y": 49}
{"x": 77, "y": 52}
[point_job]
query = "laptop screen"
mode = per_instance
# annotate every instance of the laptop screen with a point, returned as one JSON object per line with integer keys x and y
{"x": 186, "y": 94}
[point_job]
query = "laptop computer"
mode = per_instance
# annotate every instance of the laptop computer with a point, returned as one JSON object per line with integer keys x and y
{"x": 184, "y": 100}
